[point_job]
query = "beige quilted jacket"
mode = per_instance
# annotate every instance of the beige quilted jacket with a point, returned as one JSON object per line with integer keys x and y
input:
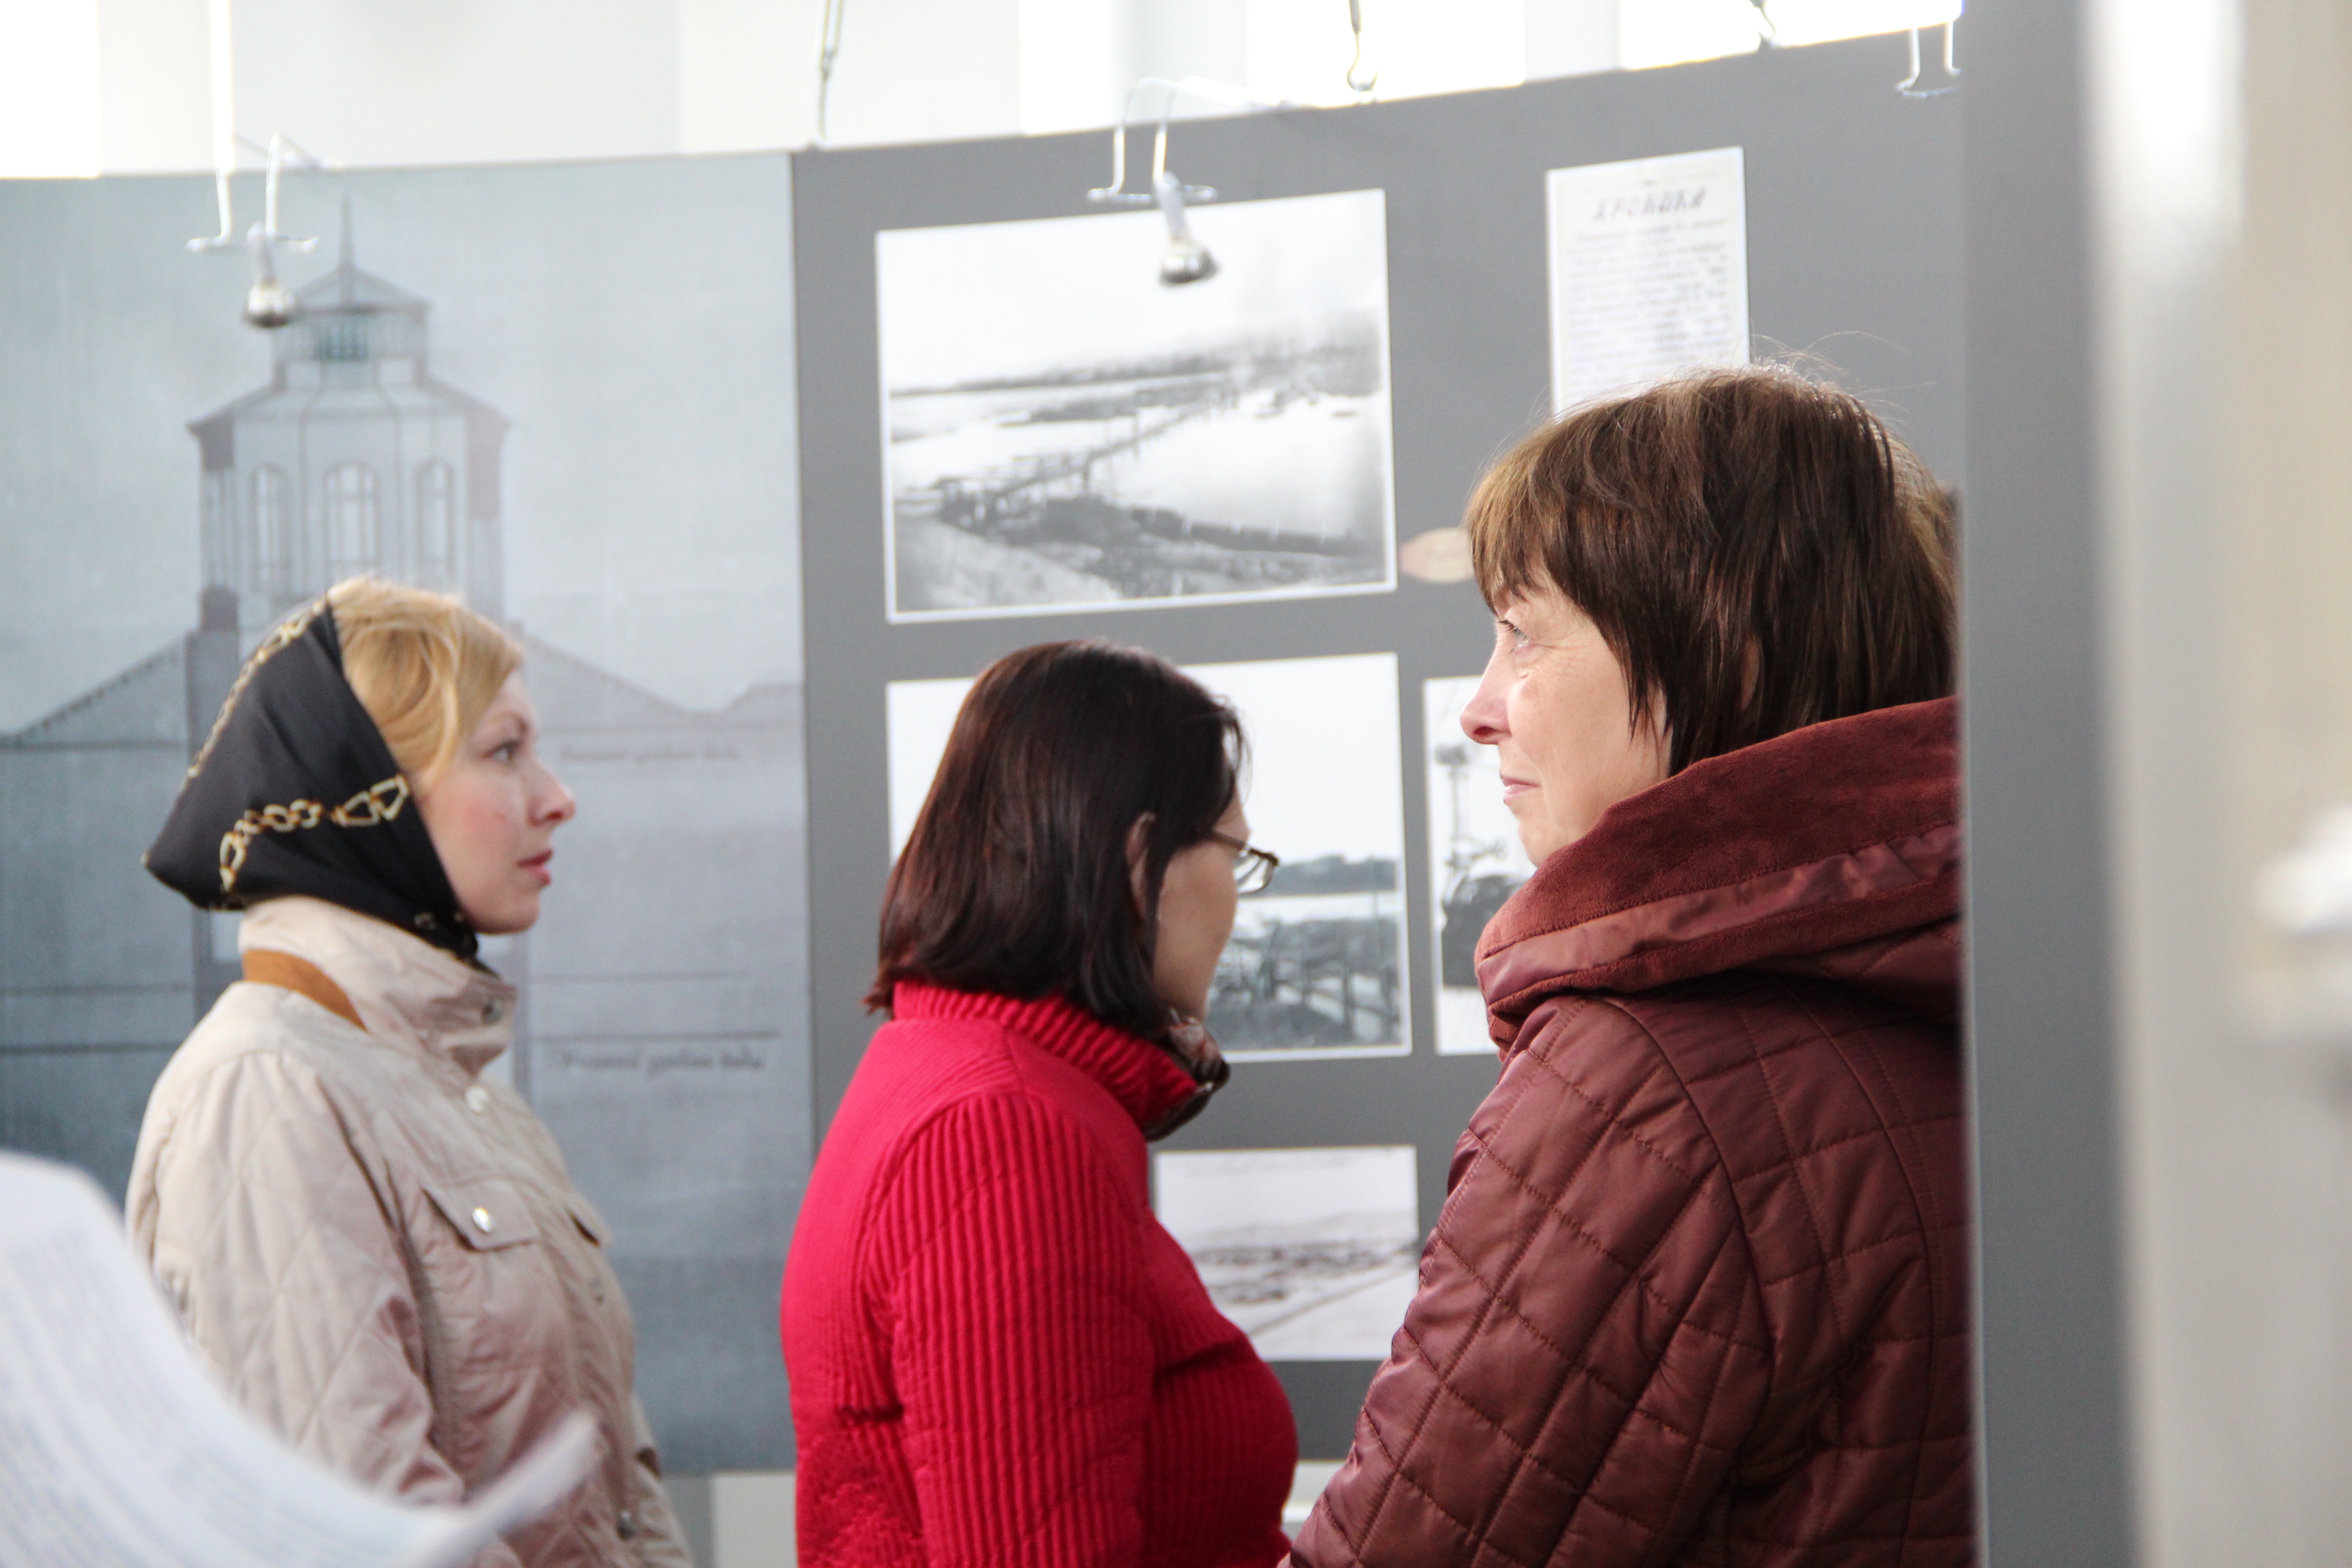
{"x": 380, "y": 1254}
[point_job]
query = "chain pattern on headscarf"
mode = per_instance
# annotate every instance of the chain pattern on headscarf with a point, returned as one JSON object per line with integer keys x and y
{"x": 285, "y": 632}
{"x": 378, "y": 803}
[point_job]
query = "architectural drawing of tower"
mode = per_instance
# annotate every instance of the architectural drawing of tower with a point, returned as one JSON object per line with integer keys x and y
{"x": 353, "y": 458}
{"x": 663, "y": 1032}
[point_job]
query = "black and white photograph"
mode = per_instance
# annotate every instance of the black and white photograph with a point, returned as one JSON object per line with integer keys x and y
{"x": 480, "y": 392}
{"x": 1064, "y": 431}
{"x": 1316, "y": 964}
{"x": 1312, "y": 1252}
{"x": 919, "y": 714}
{"x": 1475, "y": 860}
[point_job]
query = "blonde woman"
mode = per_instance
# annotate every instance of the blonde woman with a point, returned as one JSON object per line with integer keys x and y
{"x": 377, "y": 1249}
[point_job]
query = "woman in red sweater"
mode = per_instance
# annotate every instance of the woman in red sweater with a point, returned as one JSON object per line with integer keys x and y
{"x": 997, "y": 1355}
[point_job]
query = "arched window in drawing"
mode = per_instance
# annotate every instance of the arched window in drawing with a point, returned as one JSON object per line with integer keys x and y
{"x": 436, "y": 523}
{"x": 353, "y": 536}
{"x": 272, "y": 530}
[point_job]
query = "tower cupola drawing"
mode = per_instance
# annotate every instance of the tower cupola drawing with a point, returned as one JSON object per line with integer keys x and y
{"x": 353, "y": 459}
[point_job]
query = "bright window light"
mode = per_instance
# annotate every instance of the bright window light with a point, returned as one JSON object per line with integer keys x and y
{"x": 49, "y": 124}
{"x": 1666, "y": 32}
{"x": 1065, "y": 65}
{"x": 1299, "y": 50}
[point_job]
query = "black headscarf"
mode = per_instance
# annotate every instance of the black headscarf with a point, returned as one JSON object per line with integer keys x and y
{"x": 296, "y": 792}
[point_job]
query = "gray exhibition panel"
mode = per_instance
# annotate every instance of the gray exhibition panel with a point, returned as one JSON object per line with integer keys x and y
{"x": 1855, "y": 255}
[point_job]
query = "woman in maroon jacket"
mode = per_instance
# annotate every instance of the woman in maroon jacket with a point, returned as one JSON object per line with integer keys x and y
{"x": 1699, "y": 1291}
{"x": 997, "y": 1355}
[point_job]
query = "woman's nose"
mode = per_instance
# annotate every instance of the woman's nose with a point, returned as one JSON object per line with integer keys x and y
{"x": 1483, "y": 716}
{"x": 555, "y": 801}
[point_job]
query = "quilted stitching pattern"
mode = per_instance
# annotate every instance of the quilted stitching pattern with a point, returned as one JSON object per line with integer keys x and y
{"x": 1697, "y": 1294}
{"x": 281, "y": 1189}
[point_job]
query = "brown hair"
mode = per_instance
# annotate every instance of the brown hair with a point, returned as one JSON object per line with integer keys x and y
{"x": 1014, "y": 880}
{"x": 1758, "y": 550}
{"x": 423, "y": 666}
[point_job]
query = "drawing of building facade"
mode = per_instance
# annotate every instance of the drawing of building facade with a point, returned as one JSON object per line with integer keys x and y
{"x": 353, "y": 458}
{"x": 663, "y": 1031}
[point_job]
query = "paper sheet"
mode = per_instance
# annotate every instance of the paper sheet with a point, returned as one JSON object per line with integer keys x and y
{"x": 1649, "y": 270}
{"x": 116, "y": 1451}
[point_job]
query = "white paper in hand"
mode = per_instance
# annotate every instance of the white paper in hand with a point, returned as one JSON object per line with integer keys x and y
{"x": 116, "y": 1451}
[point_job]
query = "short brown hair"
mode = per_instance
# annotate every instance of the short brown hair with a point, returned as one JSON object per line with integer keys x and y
{"x": 423, "y": 666}
{"x": 1014, "y": 880}
{"x": 1758, "y": 550}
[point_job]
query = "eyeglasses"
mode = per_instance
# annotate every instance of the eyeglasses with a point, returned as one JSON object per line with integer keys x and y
{"x": 1252, "y": 867}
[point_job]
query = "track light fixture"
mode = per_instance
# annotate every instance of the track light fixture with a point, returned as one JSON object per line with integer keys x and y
{"x": 1186, "y": 260}
{"x": 268, "y": 304}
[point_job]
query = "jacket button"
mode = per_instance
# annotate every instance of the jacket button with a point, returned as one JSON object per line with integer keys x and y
{"x": 477, "y": 1099}
{"x": 626, "y": 1525}
{"x": 483, "y": 1222}
{"x": 491, "y": 1011}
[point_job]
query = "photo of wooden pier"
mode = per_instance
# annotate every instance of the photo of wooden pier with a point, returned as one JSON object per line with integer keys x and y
{"x": 1141, "y": 444}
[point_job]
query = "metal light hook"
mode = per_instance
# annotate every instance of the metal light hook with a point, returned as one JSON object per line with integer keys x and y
{"x": 1116, "y": 192}
{"x": 1909, "y": 86}
{"x": 278, "y": 152}
{"x": 1356, "y": 26}
{"x": 828, "y": 49}
{"x": 1770, "y": 38}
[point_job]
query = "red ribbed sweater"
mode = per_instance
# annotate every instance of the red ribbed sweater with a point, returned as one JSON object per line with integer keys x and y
{"x": 997, "y": 1355}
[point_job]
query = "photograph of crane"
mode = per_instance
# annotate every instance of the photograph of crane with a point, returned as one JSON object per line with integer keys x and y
{"x": 1475, "y": 862}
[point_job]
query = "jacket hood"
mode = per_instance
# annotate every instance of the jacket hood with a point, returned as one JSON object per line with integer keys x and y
{"x": 1831, "y": 851}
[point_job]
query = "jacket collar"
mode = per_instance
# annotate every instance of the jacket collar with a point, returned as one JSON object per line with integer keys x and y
{"x": 405, "y": 990}
{"x": 1833, "y": 850}
{"x": 1145, "y": 1079}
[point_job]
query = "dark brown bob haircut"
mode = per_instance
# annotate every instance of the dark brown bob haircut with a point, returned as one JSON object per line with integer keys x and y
{"x": 1758, "y": 550}
{"x": 1014, "y": 880}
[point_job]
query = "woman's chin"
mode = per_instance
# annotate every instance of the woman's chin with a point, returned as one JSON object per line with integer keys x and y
{"x": 510, "y": 917}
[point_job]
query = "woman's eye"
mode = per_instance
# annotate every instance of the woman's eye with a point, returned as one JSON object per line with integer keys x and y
{"x": 507, "y": 751}
{"x": 1518, "y": 638}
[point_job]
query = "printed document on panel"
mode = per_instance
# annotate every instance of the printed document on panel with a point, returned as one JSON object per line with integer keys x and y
{"x": 116, "y": 1451}
{"x": 1649, "y": 270}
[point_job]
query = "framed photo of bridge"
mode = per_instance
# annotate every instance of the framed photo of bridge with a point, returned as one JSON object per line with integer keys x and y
{"x": 1063, "y": 431}
{"x": 1316, "y": 966}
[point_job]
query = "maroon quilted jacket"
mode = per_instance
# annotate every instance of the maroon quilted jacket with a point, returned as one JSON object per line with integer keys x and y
{"x": 1699, "y": 1292}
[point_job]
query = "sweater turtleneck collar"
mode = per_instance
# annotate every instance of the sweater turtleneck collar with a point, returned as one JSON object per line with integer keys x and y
{"x": 1146, "y": 1080}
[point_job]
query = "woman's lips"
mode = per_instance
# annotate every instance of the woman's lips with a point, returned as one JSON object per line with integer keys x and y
{"x": 537, "y": 866}
{"x": 1513, "y": 788}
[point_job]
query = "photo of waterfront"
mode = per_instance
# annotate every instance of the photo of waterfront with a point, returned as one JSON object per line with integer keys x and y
{"x": 1064, "y": 431}
{"x": 1312, "y": 1252}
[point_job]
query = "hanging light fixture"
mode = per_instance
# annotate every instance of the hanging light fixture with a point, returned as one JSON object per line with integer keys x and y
{"x": 268, "y": 304}
{"x": 1186, "y": 260}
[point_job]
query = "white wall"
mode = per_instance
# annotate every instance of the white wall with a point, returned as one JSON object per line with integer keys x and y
{"x": 460, "y": 82}
{"x": 125, "y": 85}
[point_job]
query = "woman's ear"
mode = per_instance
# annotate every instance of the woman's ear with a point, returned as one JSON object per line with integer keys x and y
{"x": 1139, "y": 859}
